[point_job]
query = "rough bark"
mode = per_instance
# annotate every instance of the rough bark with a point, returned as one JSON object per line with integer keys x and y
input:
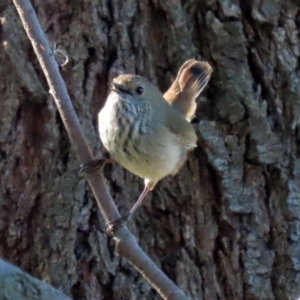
{"x": 15, "y": 284}
{"x": 227, "y": 226}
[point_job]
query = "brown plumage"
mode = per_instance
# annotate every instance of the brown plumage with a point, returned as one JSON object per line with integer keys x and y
{"x": 192, "y": 78}
{"x": 146, "y": 134}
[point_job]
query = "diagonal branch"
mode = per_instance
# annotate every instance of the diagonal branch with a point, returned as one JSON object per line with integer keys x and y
{"x": 126, "y": 244}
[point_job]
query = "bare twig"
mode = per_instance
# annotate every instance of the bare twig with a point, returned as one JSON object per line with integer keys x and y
{"x": 126, "y": 244}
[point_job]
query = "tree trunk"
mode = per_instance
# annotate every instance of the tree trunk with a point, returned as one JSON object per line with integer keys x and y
{"x": 228, "y": 225}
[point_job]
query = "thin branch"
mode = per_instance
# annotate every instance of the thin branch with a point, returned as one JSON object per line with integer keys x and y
{"x": 126, "y": 244}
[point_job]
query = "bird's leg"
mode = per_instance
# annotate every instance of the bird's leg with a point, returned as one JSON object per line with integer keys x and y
{"x": 114, "y": 224}
{"x": 139, "y": 201}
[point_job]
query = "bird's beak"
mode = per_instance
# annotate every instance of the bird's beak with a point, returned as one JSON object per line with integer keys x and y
{"x": 118, "y": 88}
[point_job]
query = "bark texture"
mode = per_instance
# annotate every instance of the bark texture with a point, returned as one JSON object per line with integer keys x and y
{"x": 228, "y": 225}
{"x": 15, "y": 284}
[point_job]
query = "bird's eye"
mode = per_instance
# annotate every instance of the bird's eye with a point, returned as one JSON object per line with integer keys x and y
{"x": 139, "y": 90}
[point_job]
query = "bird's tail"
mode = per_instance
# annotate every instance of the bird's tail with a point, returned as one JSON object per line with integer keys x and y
{"x": 192, "y": 78}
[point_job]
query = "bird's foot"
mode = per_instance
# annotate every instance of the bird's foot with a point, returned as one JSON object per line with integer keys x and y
{"x": 92, "y": 166}
{"x": 97, "y": 164}
{"x": 113, "y": 225}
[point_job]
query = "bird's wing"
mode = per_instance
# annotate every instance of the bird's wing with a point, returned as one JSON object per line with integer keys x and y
{"x": 182, "y": 128}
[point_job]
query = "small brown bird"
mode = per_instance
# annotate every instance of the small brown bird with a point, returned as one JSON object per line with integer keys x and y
{"x": 144, "y": 133}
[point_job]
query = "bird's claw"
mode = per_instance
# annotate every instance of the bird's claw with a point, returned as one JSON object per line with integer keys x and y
{"x": 113, "y": 225}
{"x": 92, "y": 166}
